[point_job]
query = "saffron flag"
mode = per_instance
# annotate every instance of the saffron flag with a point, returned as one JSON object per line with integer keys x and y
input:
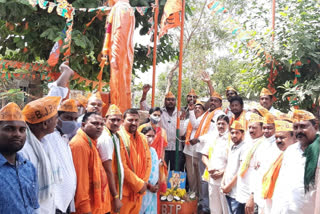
{"x": 55, "y": 53}
{"x": 171, "y": 16}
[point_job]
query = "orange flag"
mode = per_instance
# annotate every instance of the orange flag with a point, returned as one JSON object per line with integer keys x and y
{"x": 171, "y": 16}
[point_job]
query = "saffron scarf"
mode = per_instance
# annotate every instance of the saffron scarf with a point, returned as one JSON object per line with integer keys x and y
{"x": 188, "y": 133}
{"x": 99, "y": 176}
{"x": 245, "y": 165}
{"x": 242, "y": 119}
{"x": 205, "y": 123}
{"x": 270, "y": 178}
{"x": 136, "y": 151}
{"x": 312, "y": 155}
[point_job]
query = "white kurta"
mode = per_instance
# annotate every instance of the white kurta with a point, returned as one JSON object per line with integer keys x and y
{"x": 289, "y": 195}
{"x": 263, "y": 158}
{"x": 192, "y": 150}
{"x": 274, "y": 112}
{"x": 244, "y": 184}
{"x": 46, "y": 206}
{"x": 65, "y": 191}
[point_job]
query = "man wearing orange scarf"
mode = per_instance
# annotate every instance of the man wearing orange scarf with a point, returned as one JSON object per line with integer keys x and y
{"x": 192, "y": 156}
{"x": 239, "y": 114}
{"x": 136, "y": 159}
{"x": 206, "y": 126}
{"x": 284, "y": 138}
{"x": 91, "y": 194}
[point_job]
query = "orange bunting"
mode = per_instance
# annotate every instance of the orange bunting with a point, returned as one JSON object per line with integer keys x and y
{"x": 41, "y": 68}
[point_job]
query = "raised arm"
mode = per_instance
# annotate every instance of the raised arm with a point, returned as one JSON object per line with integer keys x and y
{"x": 66, "y": 74}
{"x": 206, "y": 78}
{"x": 145, "y": 91}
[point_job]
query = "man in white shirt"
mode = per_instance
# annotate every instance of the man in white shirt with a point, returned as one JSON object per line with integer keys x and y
{"x": 59, "y": 142}
{"x": 169, "y": 123}
{"x": 41, "y": 116}
{"x": 206, "y": 126}
{"x": 263, "y": 158}
{"x": 109, "y": 149}
{"x": 247, "y": 170}
{"x": 295, "y": 190}
{"x": 284, "y": 137}
{"x": 229, "y": 180}
{"x": 266, "y": 100}
{"x": 192, "y": 158}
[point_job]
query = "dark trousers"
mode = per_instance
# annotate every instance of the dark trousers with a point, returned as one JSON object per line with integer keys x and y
{"x": 170, "y": 157}
{"x": 203, "y": 203}
{"x": 234, "y": 206}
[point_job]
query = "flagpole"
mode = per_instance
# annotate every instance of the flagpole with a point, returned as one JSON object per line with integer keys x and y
{"x": 179, "y": 86}
{"x": 154, "y": 58}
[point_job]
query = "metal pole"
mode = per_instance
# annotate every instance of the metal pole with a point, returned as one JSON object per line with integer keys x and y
{"x": 179, "y": 85}
{"x": 155, "y": 36}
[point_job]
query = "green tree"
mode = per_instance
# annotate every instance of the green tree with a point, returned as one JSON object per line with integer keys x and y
{"x": 33, "y": 32}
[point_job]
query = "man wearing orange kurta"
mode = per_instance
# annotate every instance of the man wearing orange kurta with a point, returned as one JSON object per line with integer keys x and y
{"x": 136, "y": 159}
{"x": 92, "y": 190}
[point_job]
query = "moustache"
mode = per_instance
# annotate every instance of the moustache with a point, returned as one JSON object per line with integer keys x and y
{"x": 300, "y": 135}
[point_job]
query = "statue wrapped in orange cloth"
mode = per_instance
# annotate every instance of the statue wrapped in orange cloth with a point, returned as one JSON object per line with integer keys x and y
{"x": 118, "y": 46}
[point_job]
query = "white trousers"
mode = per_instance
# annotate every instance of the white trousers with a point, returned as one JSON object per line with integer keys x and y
{"x": 217, "y": 200}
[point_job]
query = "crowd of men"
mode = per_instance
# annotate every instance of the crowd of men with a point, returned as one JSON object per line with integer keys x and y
{"x": 61, "y": 155}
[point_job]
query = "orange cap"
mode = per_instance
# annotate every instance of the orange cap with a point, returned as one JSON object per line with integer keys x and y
{"x": 96, "y": 95}
{"x": 192, "y": 92}
{"x": 200, "y": 103}
{"x": 265, "y": 92}
{"x": 11, "y": 112}
{"x": 230, "y": 88}
{"x": 170, "y": 95}
{"x": 263, "y": 111}
{"x": 268, "y": 119}
{"x": 216, "y": 94}
{"x": 237, "y": 125}
{"x": 82, "y": 100}
{"x": 302, "y": 115}
{"x": 255, "y": 118}
{"x": 68, "y": 105}
{"x": 41, "y": 109}
{"x": 283, "y": 126}
{"x": 113, "y": 110}
{"x": 283, "y": 116}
